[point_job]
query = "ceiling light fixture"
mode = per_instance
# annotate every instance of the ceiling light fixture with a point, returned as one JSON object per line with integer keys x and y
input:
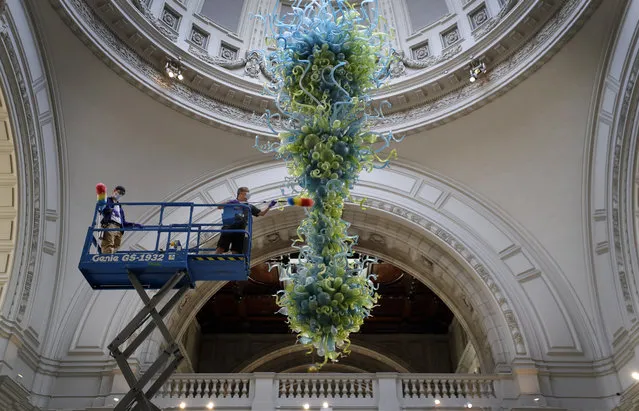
{"x": 307, "y": 406}
{"x": 182, "y": 405}
{"x": 210, "y": 405}
{"x": 174, "y": 69}
{"x": 477, "y": 68}
{"x": 324, "y": 404}
{"x": 437, "y": 402}
{"x": 635, "y": 375}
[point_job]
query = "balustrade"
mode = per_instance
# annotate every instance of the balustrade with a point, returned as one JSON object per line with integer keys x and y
{"x": 372, "y": 391}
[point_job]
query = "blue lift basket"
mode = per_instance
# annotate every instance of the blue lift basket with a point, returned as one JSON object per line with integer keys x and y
{"x": 184, "y": 245}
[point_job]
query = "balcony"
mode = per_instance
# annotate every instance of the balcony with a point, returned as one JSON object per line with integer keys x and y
{"x": 381, "y": 391}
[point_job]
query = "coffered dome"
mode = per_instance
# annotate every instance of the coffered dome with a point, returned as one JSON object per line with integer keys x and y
{"x": 218, "y": 46}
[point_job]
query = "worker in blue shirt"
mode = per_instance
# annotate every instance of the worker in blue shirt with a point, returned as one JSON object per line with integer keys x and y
{"x": 236, "y": 218}
{"x": 113, "y": 218}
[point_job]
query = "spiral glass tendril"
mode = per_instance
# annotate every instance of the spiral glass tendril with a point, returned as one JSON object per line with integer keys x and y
{"x": 328, "y": 56}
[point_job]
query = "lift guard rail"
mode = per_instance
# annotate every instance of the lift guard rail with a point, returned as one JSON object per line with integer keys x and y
{"x": 182, "y": 241}
{"x": 179, "y": 257}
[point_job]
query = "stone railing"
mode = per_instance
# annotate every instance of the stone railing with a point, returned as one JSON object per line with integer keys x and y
{"x": 381, "y": 391}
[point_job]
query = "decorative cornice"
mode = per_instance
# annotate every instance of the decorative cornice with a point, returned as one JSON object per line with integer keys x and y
{"x": 241, "y": 98}
{"x": 521, "y": 64}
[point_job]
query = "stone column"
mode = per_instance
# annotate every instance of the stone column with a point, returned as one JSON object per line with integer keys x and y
{"x": 263, "y": 391}
{"x": 387, "y": 393}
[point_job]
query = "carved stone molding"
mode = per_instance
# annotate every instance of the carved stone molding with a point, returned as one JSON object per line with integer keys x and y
{"x": 30, "y": 156}
{"x": 157, "y": 23}
{"x": 493, "y": 21}
{"x": 13, "y": 396}
{"x": 458, "y": 246}
{"x": 34, "y": 126}
{"x": 427, "y": 61}
{"x": 445, "y": 97}
{"x": 623, "y": 178}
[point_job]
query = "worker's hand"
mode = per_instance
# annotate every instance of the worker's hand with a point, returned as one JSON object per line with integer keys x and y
{"x": 272, "y": 203}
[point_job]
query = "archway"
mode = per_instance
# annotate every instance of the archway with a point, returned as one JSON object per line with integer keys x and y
{"x": 9, "y": 196}
{"x": 502, "y": 272}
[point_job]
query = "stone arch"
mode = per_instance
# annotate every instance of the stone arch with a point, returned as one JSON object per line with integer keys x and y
{"x": 10, "y": 193}
{"x": 613, "y": 193}
{"x": 431, "y": 265}
{"x": 31, "y": 97}
{"x": 533, "y": 311}
{"x": 253, "y": 364}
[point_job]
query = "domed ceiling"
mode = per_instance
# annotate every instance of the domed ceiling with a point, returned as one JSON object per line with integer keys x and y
{"x": 214, "y": 51}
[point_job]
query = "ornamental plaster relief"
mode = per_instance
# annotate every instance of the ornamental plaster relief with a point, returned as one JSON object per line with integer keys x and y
{"x": 441, "y": 104}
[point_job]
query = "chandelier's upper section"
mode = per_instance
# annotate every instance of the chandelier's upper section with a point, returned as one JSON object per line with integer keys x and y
{"x": 217, "y": 47}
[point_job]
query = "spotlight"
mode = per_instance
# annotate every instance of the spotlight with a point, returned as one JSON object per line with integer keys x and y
{"x": 635, "y": 375}
{"x": 477, "y": 68}
{"x": 437, "y": 402}
{"x": 307, "y": 406}
{"x": 210, "y": 405}
{"x": 469, "y": 405}
{"x": 324, "y": 404}
{"x": 116, "y": 399}
{"x": 174, "y": 69}
{"x": 182, "y": 405}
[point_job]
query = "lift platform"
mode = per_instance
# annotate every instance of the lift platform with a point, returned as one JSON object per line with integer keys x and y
{"x": 176, "y": 246}
{"x": 180, "y": 251}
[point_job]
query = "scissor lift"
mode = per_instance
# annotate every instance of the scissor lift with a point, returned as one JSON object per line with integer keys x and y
{"x": 178, "y": 260}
